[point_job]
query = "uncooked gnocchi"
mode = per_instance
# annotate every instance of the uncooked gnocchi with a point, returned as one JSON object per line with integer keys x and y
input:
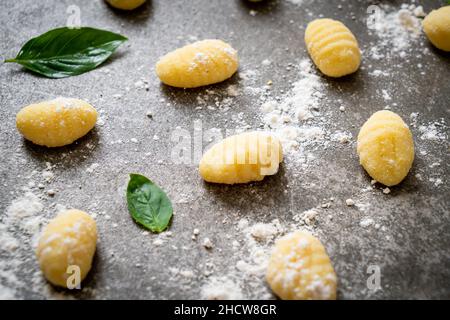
{"x": 68, "y": 240}
{"x": 198, "y": 64}
{"x": 242, "y": 158}
{"x": 333, "y": 47}
{"x": 437, "y": 27}
{"x": 300, "y": 269}
{"x": 125, "y": 4}
{"x": 57, "y": 122}
{"x": 386, "y": 147}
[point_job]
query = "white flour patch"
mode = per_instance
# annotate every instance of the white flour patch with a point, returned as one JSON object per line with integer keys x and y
{"x": 19, "y": 228}
{"x": 292, "y": 117}
{"x": 221, "y": 288}
{"x": 396, "y": 30}
{"x": 435, "y": 131}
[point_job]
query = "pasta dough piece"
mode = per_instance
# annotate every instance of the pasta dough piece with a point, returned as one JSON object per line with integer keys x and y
{"x": 386, "y": 147}
{"x": 198, "y": 64}
{"x": 126, "y": 4}
{"x": 333, "y": 47}
{"x": 437, "y": 27}
{"x": 242, "y": 158}
{"x": 300, "y": 269}
{"x": 57, "y": 122}
{"x": 68, "y": 240}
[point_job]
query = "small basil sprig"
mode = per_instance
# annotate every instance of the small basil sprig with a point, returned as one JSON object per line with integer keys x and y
{"x": 148, "y": 204}
{"x": 65, "y": 52}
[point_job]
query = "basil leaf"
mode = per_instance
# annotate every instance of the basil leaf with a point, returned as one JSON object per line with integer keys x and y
{"x": 65, "y": 52}
{"x": 148, "y": 204}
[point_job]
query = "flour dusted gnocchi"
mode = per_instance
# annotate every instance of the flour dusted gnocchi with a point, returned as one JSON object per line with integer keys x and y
{"x": 333, "y": 47}
{"x": 242, "y": 158}
{"x": 198, "y": 64}
{"x": 57, "y": 122}
{"x": 437, "y": 28}
{"x": 125, "y": 4}
{"x": 68, "y": 240}
{"x": 300, "y": 269}
{"x": 386, "y": 147}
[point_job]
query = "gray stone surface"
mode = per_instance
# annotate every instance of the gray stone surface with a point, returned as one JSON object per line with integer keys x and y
{"x": 411, "y": 245}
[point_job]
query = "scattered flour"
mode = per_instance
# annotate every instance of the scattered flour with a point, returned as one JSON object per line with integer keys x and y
{"x": 307, "y": 217}
{"x": 435, "y": 131}
{"x": 366, "y": 222}
{"x": 250, "y": 267}
{"x": 19, "y": 229}
{"x": 395, "y": 29}
{"x": 23, "y": 213}
{"x": 289, "y": 116}
{"x": 221, "y": 288}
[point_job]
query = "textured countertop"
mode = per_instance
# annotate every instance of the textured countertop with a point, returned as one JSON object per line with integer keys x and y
{"x": 404, "y": 234}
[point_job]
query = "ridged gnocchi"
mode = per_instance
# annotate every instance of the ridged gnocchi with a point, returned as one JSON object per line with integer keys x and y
{"x": 242, "y": 158}
{"x": 126, "y": 4}
{"x": 333, "y": 47}
{"x": 436, "y": 26}
{"x": 386, "y": 148}
{"x": 68, "y": 240}
{"x": 300, "y": 269}
{"x": 198, "y": 64}
{"x": 57, "y": 122}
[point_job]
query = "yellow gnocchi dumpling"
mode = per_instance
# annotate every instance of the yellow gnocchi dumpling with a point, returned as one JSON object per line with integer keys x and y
{"x": 57, "y": 122}
{"x": 386, "y": 148}
{"x": 436, "y": 26}
{"x": 300, "y": 269}
{"x": 242, "y": 158}
{"x": 125, "y": 4}
{"x": 69, "y": 240}
{"x": 333, "y": 47}
{"x": 198, "y": 64}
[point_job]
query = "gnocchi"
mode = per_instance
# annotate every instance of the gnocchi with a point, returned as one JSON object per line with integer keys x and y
{"x": 386, "y": 148}
{"x": 126, "y": 4}
{"x": 436, "y": 26}
{"x": 68, "y": 240}
{"x": 57, "y": 122}
{"x": 300, "y": 269}
{"x": 242, "y": 158}
{"x": 333, "y": 47}
{"x": 198, "y": 64}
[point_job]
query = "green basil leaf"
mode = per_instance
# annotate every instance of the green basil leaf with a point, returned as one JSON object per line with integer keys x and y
{"x": 65, "y": 52}
{"x": 148, "y": 204}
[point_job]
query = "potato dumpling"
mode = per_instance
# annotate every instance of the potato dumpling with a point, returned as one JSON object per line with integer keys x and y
{"x": 125, "y": 4}
{"x": 300, "y": 269}
{"x": 198, "y": 64}
{"x": 333, "y": 47}
{"x": 242, "y": 158}
{"x": 68, "y": 240}
{"x": 436, "y": 26}
{"x": 386, "y": 148}
{"x": 57, "y": 122}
